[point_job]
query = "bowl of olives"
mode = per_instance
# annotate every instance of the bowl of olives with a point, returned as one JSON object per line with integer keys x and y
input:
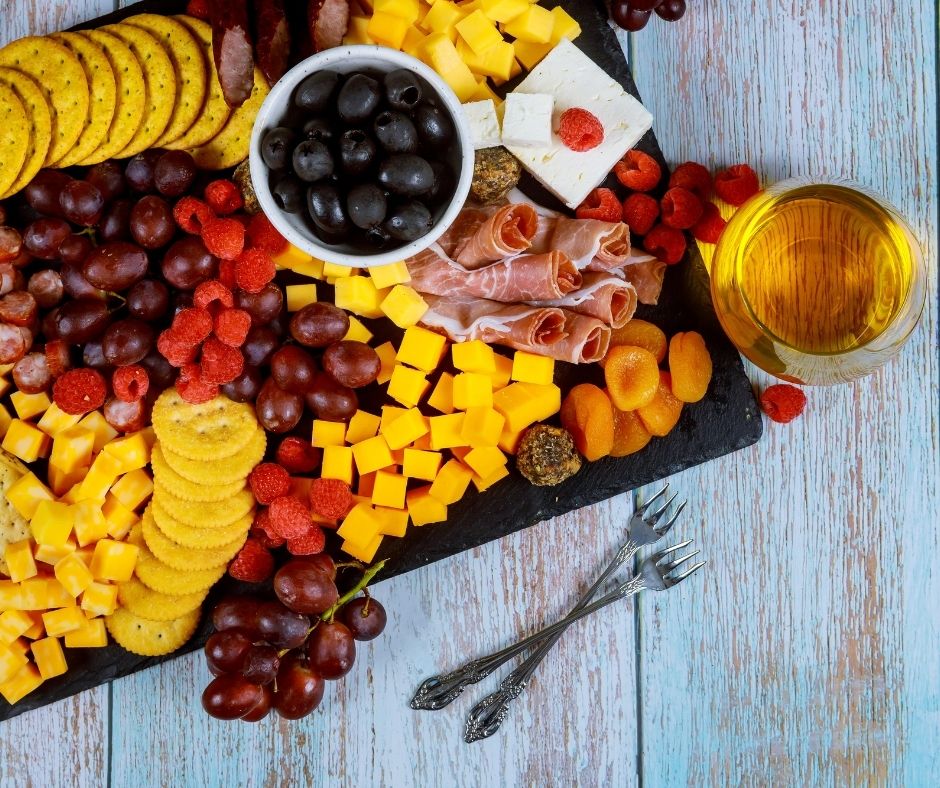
{"x": 361, "y": 156}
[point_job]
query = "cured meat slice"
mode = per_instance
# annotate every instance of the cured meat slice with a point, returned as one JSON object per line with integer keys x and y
{"x": 328, "y": 21}
{"x": 232, "y": 49}
{"x": 586, "y": 342}
{"x": 484, "y": 237}
{"x": 273, "y": 45}
{"x": 646, "y": 274}
{"x": 605, "y": 296}
{"x": 592, "y": 244}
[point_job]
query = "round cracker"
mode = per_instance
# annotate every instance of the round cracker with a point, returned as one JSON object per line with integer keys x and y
{"x": 14, "y": 137}
{"x": 130, "y": 95}
{"x": 166, "y": 479}
{"x": 159, "y": 79}
{"x": 40, "y": 120}
{"x": 215, "y": 111}
{"x": 143, "y": 602}
{"x": 150, "y": 638}
{"x": 62, "y": 80}
{"x": 210, "y": 431}
{"x": 230, "y": 146}
{"x": 185, "y": 558}
{"x": 199, "y": 538}
{"x": 235, "y": 468}
{"x": 164, "y": 579}
{"x": 103, "y": 92}
{"x": 209, "y": 515}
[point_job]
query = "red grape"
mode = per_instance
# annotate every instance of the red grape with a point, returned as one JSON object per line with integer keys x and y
{"x": 42, "y": 192}
{"x": 14, "y": 342}
{"x": 322, "y": 562}
{"x": 115, "y": 266}
{"x": 645, "y": 5}
{"x": 319, "y": 324}
{"x": 262, "y": 620}
{"x": 127, "y": 341}
{"x": 93, "y": 356}
{"x": 260, "y": 345}
{"x": 330, "y": 400}
{"x": 115, "y": 224}
{"x": 299, "y": 688}
{"x": 671, "y": 10}
{"x": 260, "y": 711}
{"x": 187, "y": 263}
{"x": 31, "y": 373}
{"x": 76, "y": 285}
{"x": 261, "y": 664}
{"x": 74, "y": 249}
{"x": 149, "y": 299}
{"x": 245, "y": 387}
{"x": 304, "y": 588}
{"x": 162, "y": 373}
{"x": 365, "y": 617}
{"x": 18, "y": 308}
{"x": 10, "y": 278}
{"x": 293, "y": 369}
{"x": 46, "y": 287}
{"x": 628, "y": 17}
{"x": 58, "y": 357}
{"x": 81, "y": 320}
{"x": 278, "y": 410}
{"x": 264, "y": 306}
{"x": 350, "y": 363}
{"x": 229, "y": 697}
{"x": 331, "y": 650}
{"x": 139, "y": 170}
{"x": 174, "y": 172}
{"x": 151, "y": 222}
{"x": 81, "y": 202}
{"x": 125, "y": 416}
{"x": 109, "y": 179}
{"x": 226, "y": 651}
{"x": 43, "y": 237}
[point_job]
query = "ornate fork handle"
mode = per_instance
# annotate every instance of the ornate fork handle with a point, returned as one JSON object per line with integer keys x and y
{"x": 438, "y": 691}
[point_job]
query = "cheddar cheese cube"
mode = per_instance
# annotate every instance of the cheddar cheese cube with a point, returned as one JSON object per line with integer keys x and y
{"x": 29, "y": 405}
{"x": 503, "y": 372}
{"x": 496, "y": 62}
{"x": 5, "y": 420}
{"x": 407, "y": 386}
{"x": 4, "y": 386}
{"x": 364, "y": 554}
{"x": 92, "y": 635}
{"x": 357, "y": 32}
{"x": 65, "y": 619}
{"x": 72, "y": 573}
{"x": 565, "y": 26}
{"x": 52, "y": 554}
{"x": 509, "y": 440}
{"x": 50, "y": 659}
{"x": 404, "y": 306}
{"x": 337, "y": 463}
{"x": 26, "y": 441}
{"x": 405, "y": 429}
{"x": 36, "y": 630}
{"x": 388, "y": 29}
{"x": 473, "y": 356}
{"x": 103, "y": 473}
{"x": 389, "y": 275}
{"x": 96, "y": 422}
{"x": 421, "y": 349}
{"x": 389, "y": 490}
{"x": 531, "y": 368}
{"x": 423, "y": 508}
{"x": 20, "y": 562}
{"x": 133, "y": 488}
{"x": 11, "y": 596}
{"x": 328, "y": 433}
{"x": 360, "y": 526}
{"x": 20, "y": 646}
{"x": 485, "y": 460}
{"x": 44, "y": 593}
{"x": 132, "y": 451}
{"x": 114, "y": 560}
{"x": 529, "y": 53}
{"x": 442, "y": 398}
{"x": 20, "y": 685}
{"x": 442, "y": 55}
{"x": 535, "y": 24}
{"x": 526, "y": 403}
{"x": 72, "y": 448}
{"x": 366, "y": 485}
{"x": 482, "y": 426}
{"x": 394, "y": 522}
{"x": 478, "y": 32}
{"x": 485, "y": 483}
{"x": 389, "y": 414}
{"x": 62, "y": 481}
{"x": 445, "y": 431}
{"x": 403, "y": 9}
{"x": 289, "y": 256}
{"x": 357, "y": 331}
{"x": 460, "y": 451}
{"x": 13, "y": 623}
{"x": 362, "y": 425}
{"x": 503, "y": 10}
{"x": 372, "y": 454}
{"x": 56, "y": 420}
{"x": 337, "y": 271}
{"x": 485, "y": 93}
{"x": 118, "y": 518}
{"x": 412, "y": 45}
{"x": 472, "y": 390}
{"x": 451, "y": 483}
{"x": 90, "y": 524}
{"x": 358, "y": 294}
{"x": 298, "y": 296}
{"x": 100, "y": 599}
{"x": 52, "y": 523}
{"x": 12, "y": 661}
{"x": 418, "y": 464}
{"x": 424, "y": 442}
{"x": 26, "y": 493}
{"x": 386, "y": 354}
{"x": 442, "y": 18}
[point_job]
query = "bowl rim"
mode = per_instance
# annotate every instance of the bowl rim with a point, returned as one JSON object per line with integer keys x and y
{"x": 276, "y": 102}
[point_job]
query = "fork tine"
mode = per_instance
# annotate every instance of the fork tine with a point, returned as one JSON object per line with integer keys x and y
{"x": 664, "y": 529}
{"x": 668, "y": 567}
{"x": 642, "y": 509}
{"x": 654, "y": 518}
{"x": 663, "y": 553}
{"x": 686, "y": 573}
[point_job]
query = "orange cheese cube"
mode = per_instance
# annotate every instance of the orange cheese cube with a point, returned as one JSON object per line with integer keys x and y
{"x": 5, "y": 420}
{"x": 503, "y": 371}
{"x": 65, "y": 619}
{"x": 372, "y": 454}
{"x": 12, "y": 661}
{"x": 29, "y": 405}
{"x": 445, "y": 431}
{"x": 26, "y": 493}
{"x": 496, "y": 62}
{"x": 404, "y": 306}
{"x": 132, "y": 451}
{"x": 442, "y": 398}
{"x": 442, "y": 18}
{"x": 478, "y": 32}
{"x": 421, "y": 349}
{"x": 358, "y": 294}
{"x": 503, "y": 10}
{"x": 387, "y": 29}
{"x": 357, "y": 331}
{"x": 441, "y": 54}
{"x": 472, "y": 390}
{"x": 413, "y": 45}
{"x": 13, "y": 623}
{"x": 404, "y": 9}
{"x": 298, "y": 296}
{"x": 92, "y": 635}
{"x": 100, "y": 599}
{"x": 509, "y": 440}
{"x": 419, "y": 464}
{"x": 337, "y": 463}
{"x": 473, "y": 356}
{"x": 485, "y": 461}
{"x": 423, "y": 443}
{"x": 72, "y": 573}
{"x": 485, "y": 483}
{"x": 56, "y": 420}
{"x": 364, "y": 554}
{"x": 52, "y": 523}
{"x": 451, "y": 483}
{"x": 485, "y": 93}
{"x": 361, "y": 426}
{"x": 390, "y": 275}
{"x": 25, "y": 441}
{"x": 524, "y": 404}
{"x": 4, "y": 386}
{"x": 386, "y": 354}
{"x": 482, "y": 426}
{"x": 19, "y": 686}
{"x": 535, "y": 24}
{"x": 20, "y": 646}
{"x": 423, "y": 508}
{"x": 366, "y": 485}
{"x": 407, "y": 386}
{"x": 460, "y": 451}
{"x": 62, "y": 481}
{"x": 50, "y": 659}
{"x": 328, "y": 433}
{"x": 530, "y": 368}
{"x": 96, "y": 422}
{"x": 72, "y": 448}
{"x": 20, "y": 562}
{"x": 360, "y": 526}
{"x": 42, "y": 593}
{"x": 36, "y": 630}
{"x": 389, "y": 490}
{"x": 565, "y": 26}
{"x": 11, "y": 596}
{"x": 290, "y": 256}
{"x": 118, "y": 518}
{"x": 114, "y": 560}
{"x": 407, "y": 428}
{"x": 103, "y": 473}
{"x": 394, "y": 521}
{"x": 52, "y": 554}
{"x": 133, "y": 488}
{"x": 529, "y": 53}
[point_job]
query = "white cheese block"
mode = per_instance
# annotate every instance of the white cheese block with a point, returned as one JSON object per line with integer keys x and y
{"x": 527, "y": 120}
{"x": 574, "y": 80}
{"x": 483, "y": 123}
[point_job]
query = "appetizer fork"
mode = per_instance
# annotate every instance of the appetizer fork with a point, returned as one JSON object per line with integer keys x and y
{"x": 644, "y": 529}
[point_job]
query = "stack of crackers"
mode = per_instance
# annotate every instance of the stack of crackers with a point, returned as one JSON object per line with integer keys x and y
{"x": 196, "y": 522}
{"x": 149, "y": 82}
{"x": 13, "y": 526}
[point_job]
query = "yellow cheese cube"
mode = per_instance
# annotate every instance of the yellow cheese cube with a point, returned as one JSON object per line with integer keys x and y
{"x": 442, "y": 17}
{"x": 372, "y": 454}
{"x": 485, "y": 461}
{"x": 485, "y": 483}
{"x": 473, "y": 356}
{"x": 118, "y": 518}
{"x": 114, "y": 560}
{"x": 4, "y": 386}
{"x": 526, "y": 403}
{"x": 13, "y": 623}
{"x": 65, "y": 619}
{"x": 366, "y": 485}
{"x": 496, "y": 62}
{"x": 419, "y": 464}
{"x": 362, "y": 425}
{"x": 133, "y": 488}
{"x": 478, "y": 32}
{"x": 502, "y": 372}
{"x": 404, "y": 306}
{"x": 11, "y": 596}
{"x": 357, "y": 331}
{"x": 298, "y": 296}
{"x": 26, "y": 493}
{"x": 5, "y": 420}
{"x": 358, "y": 294}
{"x": 482, "y": 426}
{"x": 52, "y": 554}
{"x": 290, "y": 255}
{"x": 398, "y": 457}
{"x": 90, "y": 524}
{"x": 412, "y": 44}
{"x": 337, "y": 271}
{"x": 49, "y": 657}
{"x": 20, "y": 646}
{"x": 92, "y": 635}
{"x": 96, "y": 422}
{"x": 100, "y": 599}
{"x": 389, "y": 414}
{"x": 56, "y": 420}
{"x": 52, "y": 523}
{"x": 29, "y": 405}
{"x": 421, "y": 349}
{"x": 460, "y": 451}
{"x": 442, "y": 398}
{"x": 337, "y": 463}
{"x": 387, "y": 29}
{"x": 36, "y": 630}
{"x": 530, "y": 368}
{"x": 405, "y": 429}
{"x": 423, "y": 508}
{"x": 530, "y": 54}
{"x": 20, "y": 562}
{"x": 364, "y": 554}
{"x": 357, "y": 32}
{"x": 62, "y": 481}
{"x": 103, "y": 473}
{"x": 132, "y": 450}
{"x": 445, "y": 431}
{"x": 25, "y": 441}
{"x": 441, "y": 53}
{"x": 407, "y": 386}
{"x": 424, "y": 442}
{"x": 509, "y": 440}
{"x": 328, "y": 433}
{"x": 451, "y": 483}
{"x": 535, "y": 24}
{"x": 19, "y": 686}
{"x": 503, "y": 10}
{"x": 394, "y": 521}
{"x": 472, "y": 390}
{"x": 565, "y": 26}
{"x": 360, "y": 526}
{"x": 72, "y": 448}
{"x": 12, "y": 661}
{"x": 484, "y": 92}
{"x": 389, "y": 490}
{"x": 404, "y": 9}
{"x": 72, "y": 573}
{"x": 389, "y": 275}
{"x": 386, "y": 354}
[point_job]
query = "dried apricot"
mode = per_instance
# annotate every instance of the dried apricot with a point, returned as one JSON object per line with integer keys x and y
{"x": 661, "y": 414}
{"x": 641, "y": 333}
{"x": 690, "y": 365}
{"x": 588, "y": 415}
{"x": 629, "y": 433}
{"x": 632, "y": 375}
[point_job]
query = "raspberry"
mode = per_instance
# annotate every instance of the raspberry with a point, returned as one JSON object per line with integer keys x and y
{"x": 79, "y": 391}
{"x": 223, "y": 197}
{"x": 198, "y": 9}
{"x": 130, "y": 383}
{"x": 289, "y": 517}
{"x": 264, "y": 235}
{"x": 638, "y": 171}
{"x": 269, "y": 481}
{"x": 192, "y": 387}
{"x": 219, "y": 362}
{"x": 254, "y": 268}
{"x": 736, "y": 184}
{"x": 211, "y": 291}
{"x": 311, "y": 543}
{"x": 57, "y": 357}
{"x": 227, "y": 273}
{"x": 580, "y": 130}
{"x": 297, "y": 455}
{"x": 231, "y": 327}
{"x": 176, "y": 350}
{"x": 224, "y": 238}
{"x": 710, "y": 227}
{"x": 782, "y": 402}
{"x": 692, "y": 176}
{"x": 640, "y": 212}
{"x": 191, "y": 214}
{"x": 260, "y": 535}
{"x": 192, "y": 325}
{"x": 667, "y": 243}
{"x": 253, "y": 564}
{"x": 330, "y": 498}
{"x": 601, "y": 204}
{"x": 680, "y": 208}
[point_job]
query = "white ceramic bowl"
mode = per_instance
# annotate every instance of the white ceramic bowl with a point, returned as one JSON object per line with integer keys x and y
{"x": 274, "y": 110}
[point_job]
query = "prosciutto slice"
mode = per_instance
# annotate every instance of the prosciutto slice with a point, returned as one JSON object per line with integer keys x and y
{"x": 479, "y": 237}
{"x": 586, "y": 342}
{"x": 528, "y": 277}
{"x": 591, "y": 244}
{"x": 646, "y": 274}
{"x": 602, "y": 295}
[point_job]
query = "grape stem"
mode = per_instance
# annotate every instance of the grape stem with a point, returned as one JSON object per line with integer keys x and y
{"x": 366, "y": 578}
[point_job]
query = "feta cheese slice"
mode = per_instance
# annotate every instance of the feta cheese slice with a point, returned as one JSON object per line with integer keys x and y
{"x": 483, "y": 122}
{"x": 574, "y": 80}
{"x": 527, "y": 120}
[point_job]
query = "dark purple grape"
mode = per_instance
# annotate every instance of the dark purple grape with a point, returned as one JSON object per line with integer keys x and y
{"x": 294, "y": 369}
{"x": 149, "y": 299}
{"x": 46, "y": 287}
{"x": 264, "y": 306}
{"x": 245, "y": 387}
{"x": 187, "y": 263}
{"x": 75, "y": 249}
{"x": 42, "y": 192}
{"x": 139, "y": 170}
{"x": 43, "y": 237}
{"x": 259, "y": 346}
{"x": 299, "y": 688}
{"x": 93, "y": 356}
{"x": 81, "y": 202}
{"x": 127, "y": 341}
{"x": 174, "y": 172}
{"x": 115, "y": 266}
{"x": 322, "y": 562}
{"x": 261, "y": 664}
{"x": 319, "y": 324}
{"x": 230, "y": 697}
{"x": 331, "y": 650}
{"x": 152, "y": 224}
{"x": 671, "y": 10}
{"x": 108, "y": 178}
{"x": 364, "y": 617}
{"x": 261, "y": 709}
{"x": 262, "y": 620}
{"x": 19, "y": 308}
{"x": 304, "y": 588}
{"x": 350, "y": 363}
{"x": 645, "y": 5}
{"x": 162, "y": 373}
{"x": 278, "y": 410}
{"x": 76, "y": 285}
{"x": 226, "y": 651}
{"x": 330, "y": 400}
{"x": 115, "y": 224}
{"x": 11, "y": 244}
{"x": 81, "y": 320}
{"x": 628, "y": 17}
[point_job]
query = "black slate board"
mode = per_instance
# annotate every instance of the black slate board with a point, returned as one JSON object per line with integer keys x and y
{"x": 727, "y": 419}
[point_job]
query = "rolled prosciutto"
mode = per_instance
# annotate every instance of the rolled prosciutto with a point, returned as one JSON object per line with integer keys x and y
{"x": 646, "y": 274}
{"x": 591, "y": 244}
{"x": 586, "y": 340}
{"x": 480, "y": 237}
{"x": 605, "y": 296}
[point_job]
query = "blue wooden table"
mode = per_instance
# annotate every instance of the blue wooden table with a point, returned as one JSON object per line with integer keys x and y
{"x": 808, "y": 653}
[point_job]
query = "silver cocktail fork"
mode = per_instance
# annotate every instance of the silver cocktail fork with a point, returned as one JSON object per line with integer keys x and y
{"x": 644, "y": 529}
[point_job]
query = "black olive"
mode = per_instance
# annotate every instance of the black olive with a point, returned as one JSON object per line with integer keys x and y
{"x": 326, "y": 208}
{"x": 366, "y": 205}
{"x": 312, "y": 161}
{"x": 356, "y": 151}
{"x": 288, "y": 193}
{"x": 313, "y": 94}
{"x": 434, "y": 125}
{"x": 402, "y": 89}
{"x": 396, "y": 133}
{"x": 358, "y": 98}
{"x": 409, "y": 221}
{"x": 319, "y": 129}
{"x": 276, "y": 147}
{"x": 443, "y": 187}
{"x": 378, "y": 236}
{"x": 406, "y": 174}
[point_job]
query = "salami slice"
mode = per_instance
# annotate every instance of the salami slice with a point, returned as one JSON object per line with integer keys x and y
{"x": 273, "y": 45}
{"x": 232, "y": 49}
